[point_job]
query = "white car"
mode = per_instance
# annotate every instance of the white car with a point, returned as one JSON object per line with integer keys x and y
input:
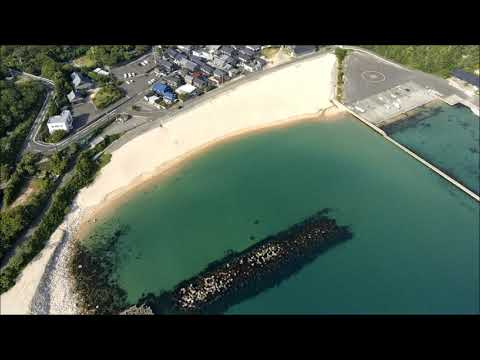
{"x": 125, "y": 75}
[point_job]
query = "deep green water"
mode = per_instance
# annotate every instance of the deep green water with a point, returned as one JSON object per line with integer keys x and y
{"x": 448, "y": 137}
{"x": 416, "y": 237}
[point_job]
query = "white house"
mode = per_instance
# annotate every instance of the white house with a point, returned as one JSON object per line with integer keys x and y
{"x": 64, "y": 121}
{"x": 100, "y": 71}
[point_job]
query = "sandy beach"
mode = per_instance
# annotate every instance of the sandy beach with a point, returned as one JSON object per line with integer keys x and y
{"x": 297, "y": 92}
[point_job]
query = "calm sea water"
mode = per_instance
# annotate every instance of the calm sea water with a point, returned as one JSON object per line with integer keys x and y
{"x": 416, "y": 238}
{"x": 446, "y": 136}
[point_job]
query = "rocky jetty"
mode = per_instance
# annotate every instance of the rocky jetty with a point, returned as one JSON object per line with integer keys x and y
{"x": 242, "y": 275}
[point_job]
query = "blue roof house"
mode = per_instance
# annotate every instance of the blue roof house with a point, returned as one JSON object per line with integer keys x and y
{"x": 162, "y": 89}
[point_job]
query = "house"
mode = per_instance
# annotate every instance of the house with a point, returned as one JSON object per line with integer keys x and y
{"x": 187, "y": 89}
{"x": 185, "y": 48}
{"x": 206, "y": 69}
{"x": 470, "y": 78}
{"x": 233, "y": 72}
{"x": 166, "y": 66}
{"x": 161, "y": 89}
{"x": 188, "y": 78}
{"x": 227, "y": 50}
{"x": 246, "y": 51}
{"x": 64, "y": 121}
{"x": 74, "y": 97}
{"x": 102, "y": 72}
{"x": 220, "y": 75}
{"x": 197, "y": 60}
{"x": 203, "y": 53}
{"x": 300, "y": 50}
{"x": 244, "y": 58}
{"x": 169, "y": 97}
{"x": 80, "y": 81}
{"x": 254, "y": 48}
{"x": 189, "y": 65}
{"x": 199, "y": 82}
{"x": 174, "y": 81}
{"x": 179, "y": 58}
{"x": 261, "y": 62}
{"x": 251, "y": 66}
{"x": 171, "y": 53}
{"x": 212, "y": 48}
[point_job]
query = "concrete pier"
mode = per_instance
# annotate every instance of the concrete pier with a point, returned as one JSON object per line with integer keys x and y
{"x": 409, "y": 152}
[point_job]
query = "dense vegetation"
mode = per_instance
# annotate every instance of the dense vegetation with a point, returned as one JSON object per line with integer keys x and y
{"x": 107, "y": 95}
{"x": 24, "y": 169}
{"x": 19, "y": 105}
{"x": 435, "y": 59}
{"x": 340, "y": 54}
{"x": 56, "y": 136}
{"x": 51, "y": 62}
{"x": 14, "y": 221}
{"x": 113, "y": 54}
{"x": 84, "y": 172}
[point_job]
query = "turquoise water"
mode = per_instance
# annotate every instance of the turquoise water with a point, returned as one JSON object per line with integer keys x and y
{"x": 416, "y": 238}
{"x": 448, "y": 137}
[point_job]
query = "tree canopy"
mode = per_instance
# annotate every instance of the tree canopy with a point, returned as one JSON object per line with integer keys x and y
{"x": 435, "y": 59}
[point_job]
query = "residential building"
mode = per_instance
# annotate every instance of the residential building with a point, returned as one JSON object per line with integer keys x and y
{"x": 171, "y": 53}
{"x": 185, "y": 48}
{"x": 244, "y": 57}
{"x": 199, "y": 82}
{"x": 64, "y": 121}
{"x": 254, "y": 48}
{"x": 220, "y": 75}
{"x": 100, "y": 71}
{"x": 246, "y": 51}
{"x": 233, "y": 72}
{"x": 161, "y": 89}
{"x": 189, "y": 65}
{"x": 212, "y": 48}
{"x": 174, "y": 81}
{"x": 166, "y": 66}
{"x": 187, "y": 89}
{"x": 74, "y": 97}
{"x": 169, "y": 97}
{"x": 188, "y": 78}
{"x": 80, "y": 81}
{"x": 206, "y": 69}
{"x": 227, "y": 50}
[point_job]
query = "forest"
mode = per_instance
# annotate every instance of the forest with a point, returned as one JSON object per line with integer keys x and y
{"x": 434, "y": 59}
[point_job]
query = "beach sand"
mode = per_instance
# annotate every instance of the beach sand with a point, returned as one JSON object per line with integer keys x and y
{"x": 297, "y": 92}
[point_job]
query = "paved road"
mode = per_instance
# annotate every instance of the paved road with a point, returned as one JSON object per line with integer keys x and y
{"x": 190, "y": 104}
{"x": 124, "y": 104}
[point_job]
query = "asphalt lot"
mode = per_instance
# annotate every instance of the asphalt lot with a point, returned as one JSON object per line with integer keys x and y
{"x": 140, "y": 79}
{"x": 367, "y": 75}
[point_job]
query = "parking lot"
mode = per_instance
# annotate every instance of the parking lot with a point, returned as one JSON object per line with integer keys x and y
{"x": 382, "y": 108}
{"x": 142, "y": 75}
{"x": 366, "y": 76}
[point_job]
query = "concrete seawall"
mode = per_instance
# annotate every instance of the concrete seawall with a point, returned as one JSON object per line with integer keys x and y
{"x": 409, "y": 152}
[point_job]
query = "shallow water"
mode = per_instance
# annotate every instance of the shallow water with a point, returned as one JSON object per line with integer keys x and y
{"x": 448, "y": 137}
{"x": 415, "y": 246}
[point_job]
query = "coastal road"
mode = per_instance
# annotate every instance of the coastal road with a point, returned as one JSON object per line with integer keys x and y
{"x": 160, "y": 116}
{"x": 190, "y": 104}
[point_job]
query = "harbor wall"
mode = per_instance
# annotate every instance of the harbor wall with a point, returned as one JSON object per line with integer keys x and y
{"x": 409, "y": 152}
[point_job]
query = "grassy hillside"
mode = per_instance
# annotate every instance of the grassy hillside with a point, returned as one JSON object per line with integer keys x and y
{"x": 435, "y": 59}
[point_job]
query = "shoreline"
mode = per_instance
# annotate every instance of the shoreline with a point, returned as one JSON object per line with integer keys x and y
{"x": 153, "y": 154}
{"x": 116, "y": 198}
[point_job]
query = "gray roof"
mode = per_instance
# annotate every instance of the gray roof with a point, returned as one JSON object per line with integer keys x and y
{"x": 78, "y": 79}
{"x": 72, "y": 95}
